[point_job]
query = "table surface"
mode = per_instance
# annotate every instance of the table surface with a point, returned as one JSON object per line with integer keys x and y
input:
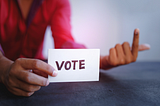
{"x": 136, "y": 84}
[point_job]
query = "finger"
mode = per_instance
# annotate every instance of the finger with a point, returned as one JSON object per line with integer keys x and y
{"x": 144, "y": 47}
{"x": 135, "y": 44}
{"x": 14, "y": 82}
{"x": 41, "y": 73}
{"x": 20, "y": 92}
{"x": 37, "y": 65}
{"x": 120, "y": 54}
{"x": 126, "y": 49}
{"x": 26, "y": 87}
{"x": 119, "y": 51}
{"x": 112, "y": 57}
{"x": 127, "y": 52}
{"x": 32, "y": 78}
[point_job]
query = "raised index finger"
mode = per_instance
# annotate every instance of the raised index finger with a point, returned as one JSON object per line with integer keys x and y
{"x": 135, "y": 44}
{"x": 36, "y": 64}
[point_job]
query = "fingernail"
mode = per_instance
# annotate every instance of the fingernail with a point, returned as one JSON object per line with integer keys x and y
{"x": 55, "y": 72}
{"x": 147, "y": 45}
{"x": 136, "y": 31}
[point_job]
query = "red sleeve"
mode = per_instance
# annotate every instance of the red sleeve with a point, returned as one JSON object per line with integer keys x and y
{"x": 61, "y": 28}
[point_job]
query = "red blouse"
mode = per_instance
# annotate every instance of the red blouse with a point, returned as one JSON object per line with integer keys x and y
{"x": 19, "y": 38}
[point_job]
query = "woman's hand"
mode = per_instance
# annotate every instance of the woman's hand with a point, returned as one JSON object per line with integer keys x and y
{"x": 25, "y": 76}
{"x": 123, "y": 54}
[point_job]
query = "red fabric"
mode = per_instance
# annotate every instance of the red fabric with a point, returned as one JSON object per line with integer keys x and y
{"x": 19, "y": 41}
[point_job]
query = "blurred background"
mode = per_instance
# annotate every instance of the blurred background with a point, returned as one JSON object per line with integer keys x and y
{"x": 104, "y": 23}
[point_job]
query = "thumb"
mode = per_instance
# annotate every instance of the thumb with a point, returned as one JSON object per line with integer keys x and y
{"x": 144, "y": 47}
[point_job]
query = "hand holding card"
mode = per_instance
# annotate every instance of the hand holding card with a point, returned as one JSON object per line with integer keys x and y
{"x": 74, "y": 65}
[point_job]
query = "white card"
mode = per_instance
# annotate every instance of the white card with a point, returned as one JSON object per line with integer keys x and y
{"x": 74, "y": 65}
